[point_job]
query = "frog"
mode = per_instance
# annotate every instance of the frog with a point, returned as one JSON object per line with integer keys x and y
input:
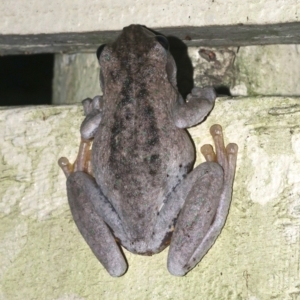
{"x": 133, "y": 183}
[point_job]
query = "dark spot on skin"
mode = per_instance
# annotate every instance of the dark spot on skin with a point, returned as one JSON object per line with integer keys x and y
{"x": 180, "y": 166}
{"x": 142, "y": 93}
{"x": 114, "y": 75}
{"x": 113, "y": 145}
{"x": 148, "y": 111}
{"x": 213, "y": 220}
{"x": 174, "y": 221}
{"x": 154, "y": 164}
{"x": 188, "y": 167}
{"x": 124, "y": 101}
{"x": 167, "y": 175}
{"x": 141, "y": 215}
{"x": 128, "y": 114}
{"x": 152, "y": 128}
{"x": 154, "y": 158}
{"x": 152, "y": 142}
{"x": 167, "y": 239}
{"x": 115, "y": 131}
{"x": 152, "y": 131}
{"x": 116, "y": 128}
{"x": 127, "y": 83}
{"x": 152, "y": 172}
{"x": 117, "y": 184}
{"x": 127, "y": 99}
{"x": 125, "y": 92}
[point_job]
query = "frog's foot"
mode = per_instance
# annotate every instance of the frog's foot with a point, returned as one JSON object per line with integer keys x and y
{"x": 207, "y": 93}
{"x": 206, "y": 207}
{"x": 93, "y": 115}
{"x": 82, "y": 162}
{"x": 91, "y": 105}
{"x": 226, "y": 157}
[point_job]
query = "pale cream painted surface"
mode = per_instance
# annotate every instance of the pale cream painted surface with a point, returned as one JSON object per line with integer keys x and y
{"x": 31, "y": 17}
{"x": 267, "y": 70}
{"x": 256, "y": 256}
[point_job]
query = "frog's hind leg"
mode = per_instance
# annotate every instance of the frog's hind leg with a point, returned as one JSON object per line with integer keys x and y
{"x": 206, "y": 207}
{"x": 81, "y": 189}
{"x": 93, "y": 214}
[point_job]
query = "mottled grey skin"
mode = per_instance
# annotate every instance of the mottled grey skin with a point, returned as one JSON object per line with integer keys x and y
{"x": 142, "y": 158}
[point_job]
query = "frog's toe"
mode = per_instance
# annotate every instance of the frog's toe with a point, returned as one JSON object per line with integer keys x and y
{"x": 118, "y": 269}
{"x": 66, "y": 166}
{"x": 207, "y": 93}
{"x": 175, "y": 269}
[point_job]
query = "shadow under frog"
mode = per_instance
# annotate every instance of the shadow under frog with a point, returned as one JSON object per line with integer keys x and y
{"x": 136, "y": 187}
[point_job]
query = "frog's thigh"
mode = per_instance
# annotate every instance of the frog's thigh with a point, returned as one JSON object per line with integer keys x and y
{"x": 81, "y": 189}
{"x": 192, "y": 235}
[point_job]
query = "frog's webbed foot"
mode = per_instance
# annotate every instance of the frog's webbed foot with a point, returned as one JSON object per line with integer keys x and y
{"x": 207, "y": 93}
{"x": 82, "y": 162}
{"x": 93, "y": 114}
{"x": 206, "y": 207}
{"x": 226, "y": 157}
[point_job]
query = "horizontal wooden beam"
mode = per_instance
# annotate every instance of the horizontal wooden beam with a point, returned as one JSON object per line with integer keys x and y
{"x": 229, "y": 35}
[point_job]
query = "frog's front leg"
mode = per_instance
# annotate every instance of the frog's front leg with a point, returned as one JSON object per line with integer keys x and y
{"x": 197, "y": 106}
{"x": 198, "y": 207}
{"x": 90, "y": 209}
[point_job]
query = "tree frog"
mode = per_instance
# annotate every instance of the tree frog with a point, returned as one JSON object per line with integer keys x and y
{"x": 133, "y": 182}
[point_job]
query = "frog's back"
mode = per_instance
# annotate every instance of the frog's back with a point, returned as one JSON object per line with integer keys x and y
{"x": 141, "y": 155}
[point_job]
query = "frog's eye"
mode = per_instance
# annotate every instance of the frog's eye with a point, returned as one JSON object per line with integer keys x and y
{"x": 163, "y": 41}
{"x": 99, "y": 50}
